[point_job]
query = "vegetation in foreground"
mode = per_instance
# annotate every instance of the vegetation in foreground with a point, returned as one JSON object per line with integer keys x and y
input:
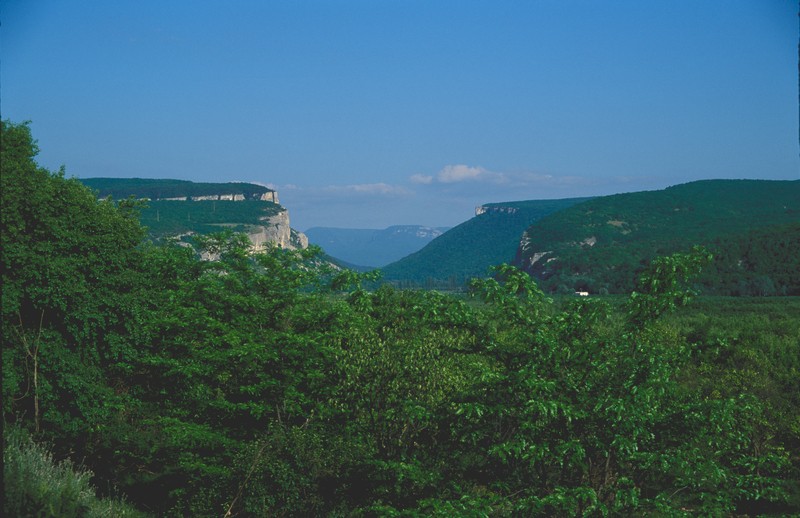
{"x": 34, "y": 484}
{"x": 263, "y": 385}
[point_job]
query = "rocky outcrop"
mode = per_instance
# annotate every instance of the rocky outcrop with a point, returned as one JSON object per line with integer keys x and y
{"x": 483, "y": 209}
{"x": 269, "y": 196}
{"x": 265, "y": 196}
{"x": 275, "y": 230}
{"x": 271, "y": 230}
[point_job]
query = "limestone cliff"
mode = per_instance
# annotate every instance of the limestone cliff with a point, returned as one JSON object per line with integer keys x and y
{"x": 178, "y": 209}
{"x": 276, "y": 230}
{"x": 483, "y": 209}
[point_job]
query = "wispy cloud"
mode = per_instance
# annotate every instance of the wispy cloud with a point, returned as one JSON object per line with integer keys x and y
{"x": 459, "y": 173}
{"x": 421, "y": 178}
{"x": 373, "y": 189}
{"x": 465, "y": 173}
{"x": 383, "y": 189}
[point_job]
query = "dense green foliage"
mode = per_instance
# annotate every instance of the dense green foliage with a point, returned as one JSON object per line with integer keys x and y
{"x": 36, "y": 485}
{"x": 261, "y": 385}
{"x": 155, "y": 189}
{"x": 763, "y": 262}
{"x": 602, "y": 244}
{"x": 470, "y": 248}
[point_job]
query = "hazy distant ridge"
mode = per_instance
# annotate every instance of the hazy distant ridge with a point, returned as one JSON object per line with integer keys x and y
{"x": 373, "y": 247}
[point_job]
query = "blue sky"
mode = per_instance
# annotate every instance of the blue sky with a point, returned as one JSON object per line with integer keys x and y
{"x": 365, "y": 114}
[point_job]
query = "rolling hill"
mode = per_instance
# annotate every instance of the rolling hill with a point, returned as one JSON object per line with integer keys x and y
{"x": 469, "y": 249}
{"x": 600, "y": 245}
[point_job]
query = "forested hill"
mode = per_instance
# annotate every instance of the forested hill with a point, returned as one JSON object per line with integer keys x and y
{"x": 178, "y": 209}
{"x": 752, "y": 227}
{"x": 469, "y": 249}
{"x": 159, "y": 189}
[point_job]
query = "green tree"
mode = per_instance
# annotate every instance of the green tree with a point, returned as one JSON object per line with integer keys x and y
{"x": 68, "y": 267}
{"x": 585, "y": 414}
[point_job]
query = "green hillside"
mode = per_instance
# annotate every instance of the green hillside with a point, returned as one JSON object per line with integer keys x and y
{"x": 763, "y": 262}
{"x": 170, "y": 217}
{"x": 167, "y": 218}
{"x": 602, "y": 244}
{"x": 470, "y": 248}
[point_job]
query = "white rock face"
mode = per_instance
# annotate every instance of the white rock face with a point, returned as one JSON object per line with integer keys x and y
{"x": 273, "y": 230}
{"x": 267, "y": 196}
{"x": 483, "y": 209}
{"x": 270, "y": 196}
{"x": 539, "y": 255}
{"x": 299, "y": 239}
{"x": 276, "y": 230}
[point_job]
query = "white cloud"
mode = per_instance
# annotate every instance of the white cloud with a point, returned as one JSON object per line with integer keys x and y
{"x": 460, "y": 173}
{"x": 383, "y": 189}
{"x": 510, "y": 182}
{"x": 421, "y": 178}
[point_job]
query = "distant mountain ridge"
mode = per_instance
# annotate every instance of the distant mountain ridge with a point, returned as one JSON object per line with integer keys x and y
{"x": 373, "y": 247}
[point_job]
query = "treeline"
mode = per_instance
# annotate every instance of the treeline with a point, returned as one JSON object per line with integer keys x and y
{"x": 263, "y": 385}
{"x": 121, "y": 188}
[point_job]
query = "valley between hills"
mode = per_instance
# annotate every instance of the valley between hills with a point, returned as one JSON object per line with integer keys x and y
{"x": 597, "y": 245}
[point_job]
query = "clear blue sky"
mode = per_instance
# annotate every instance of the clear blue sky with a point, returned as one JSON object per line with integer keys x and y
{"x": 365, "y": 114}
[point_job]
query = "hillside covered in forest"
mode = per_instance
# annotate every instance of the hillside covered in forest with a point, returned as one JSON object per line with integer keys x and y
{"x": 751, "y": 226}
{"x": 469, "y": 249}
{"x": 180, "y": 209}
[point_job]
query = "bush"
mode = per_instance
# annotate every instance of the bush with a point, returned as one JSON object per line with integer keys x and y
{"x": 34, "y": 484}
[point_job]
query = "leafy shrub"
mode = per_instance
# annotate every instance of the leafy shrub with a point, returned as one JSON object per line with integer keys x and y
{"x": 34, "y": 484}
